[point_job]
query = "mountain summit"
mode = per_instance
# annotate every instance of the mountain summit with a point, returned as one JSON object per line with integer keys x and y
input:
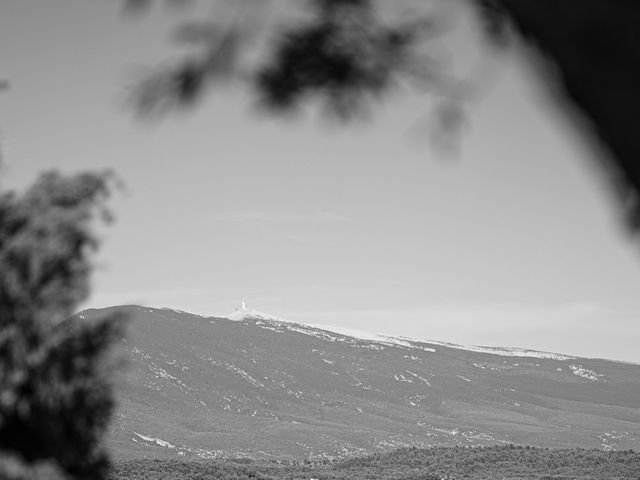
{"x": 244, "y": 313}
{"x": 259, "y": 387}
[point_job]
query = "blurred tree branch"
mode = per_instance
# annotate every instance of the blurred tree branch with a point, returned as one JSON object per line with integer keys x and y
{"x": 55, "y": 390}
{"x": 343, "y": 53}
{"x": 593, "y": 47}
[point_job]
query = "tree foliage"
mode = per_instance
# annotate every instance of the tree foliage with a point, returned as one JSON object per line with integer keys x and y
{"x": 593, "y": 47}
{"x": 435, "y": 463}
{"x": 55, "y": 394}
{"x": 344, "y": 54}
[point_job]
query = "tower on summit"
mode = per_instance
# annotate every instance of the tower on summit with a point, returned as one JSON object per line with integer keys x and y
{"x": 244, "y": 307}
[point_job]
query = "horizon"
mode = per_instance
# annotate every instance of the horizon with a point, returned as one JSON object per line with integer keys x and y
{"x": 513, "y": 239}
{"x": 373, "y": 335}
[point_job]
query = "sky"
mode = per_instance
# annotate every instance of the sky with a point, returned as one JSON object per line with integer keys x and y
{"x": 512, "y": 240}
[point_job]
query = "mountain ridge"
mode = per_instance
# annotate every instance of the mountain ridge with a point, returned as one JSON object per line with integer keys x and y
{"x": 244, "y": 313}
{"x": 265, "y": 388}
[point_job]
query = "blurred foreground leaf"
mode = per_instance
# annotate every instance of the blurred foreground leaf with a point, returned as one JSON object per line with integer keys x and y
{"x": 55, "y": 392}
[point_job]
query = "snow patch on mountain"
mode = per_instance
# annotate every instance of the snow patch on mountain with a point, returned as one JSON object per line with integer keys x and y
{"x": 347, "y": 335}
{"x": 320, "y": 332}
{"x": 504, "y": 351}
{"x": 244, "y": 313}
{"x": 157, "y": 441}
{"x": 580, "y": 371}
{"x": 351, "y": 333}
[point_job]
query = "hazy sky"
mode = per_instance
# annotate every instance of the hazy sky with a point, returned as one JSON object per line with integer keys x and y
{"x": 514, "y": 241}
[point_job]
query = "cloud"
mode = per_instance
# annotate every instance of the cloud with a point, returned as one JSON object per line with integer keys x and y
{"x": 279, "y": 217}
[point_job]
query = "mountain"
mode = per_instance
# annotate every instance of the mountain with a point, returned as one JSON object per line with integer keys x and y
{"x": 261, "y": 387}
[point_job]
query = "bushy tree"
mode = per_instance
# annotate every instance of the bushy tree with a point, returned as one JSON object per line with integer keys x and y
{"x": 55, "y": 394}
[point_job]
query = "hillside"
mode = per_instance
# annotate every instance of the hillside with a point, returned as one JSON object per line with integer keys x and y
{"x": 261, "y": 387}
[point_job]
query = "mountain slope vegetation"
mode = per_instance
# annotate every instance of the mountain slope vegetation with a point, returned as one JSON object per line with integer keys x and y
{"x": 262, "y": 388}
{"x": 407, "y": 463}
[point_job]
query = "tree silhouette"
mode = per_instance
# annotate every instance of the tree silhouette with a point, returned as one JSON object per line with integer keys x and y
{"x": 55, "y": 394}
